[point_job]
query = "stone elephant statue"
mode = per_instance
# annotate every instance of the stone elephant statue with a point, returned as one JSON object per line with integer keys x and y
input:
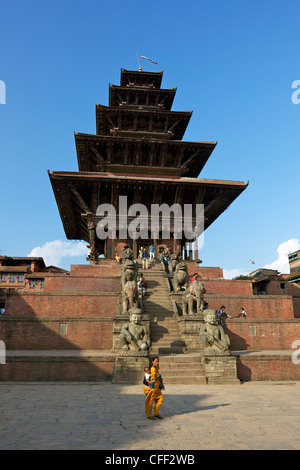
{"x": 194, "y": 294}
{"x": 129, "y": 296}
{"x": 181, "y": 277}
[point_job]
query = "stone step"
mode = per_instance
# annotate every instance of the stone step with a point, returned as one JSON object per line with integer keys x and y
{"x": 166, "y": 332}
{"x": 166, "y": 350}
{"x": 164, "y": 327}
{"x": 168, "y": 344}
{"x": 158, "y": 306}
{"x": 192, "y": 380}
{"x": 186, "y": 358}
{"x": 170, "y": 369}
{"x": 182, "y": 373}
{"x": 166, "y": 338}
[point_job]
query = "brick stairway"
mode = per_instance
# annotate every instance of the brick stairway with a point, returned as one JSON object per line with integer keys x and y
{"x": 175, "y": 366}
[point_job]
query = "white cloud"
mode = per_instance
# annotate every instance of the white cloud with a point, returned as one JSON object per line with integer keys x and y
{"x": 282, "y": 262}
{"x": 53, "y": 252}
{"x": 231, "y": 273}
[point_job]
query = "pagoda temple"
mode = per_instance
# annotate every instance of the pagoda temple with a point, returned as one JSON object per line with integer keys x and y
{"x": 66, "y": 325}
{"x": 138, "y": 152}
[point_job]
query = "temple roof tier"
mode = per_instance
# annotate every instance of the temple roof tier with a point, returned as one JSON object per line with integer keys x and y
{"x": 130, "y": 155}
{"x": 140, "y": 78}
{"x": 157, "y": 123}
{"x": 139, "y": 97}
{"x": 78, "y": 194}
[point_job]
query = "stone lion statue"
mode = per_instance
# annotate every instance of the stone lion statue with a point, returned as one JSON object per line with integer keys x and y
{"x": 181, "y": 277}
{"x": 174, "y": 260}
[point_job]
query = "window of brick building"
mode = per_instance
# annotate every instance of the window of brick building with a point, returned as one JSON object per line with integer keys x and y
{"x": 21, "y": 278}
{"x": 3, "y": 277}
{"x": 12, "y": 278}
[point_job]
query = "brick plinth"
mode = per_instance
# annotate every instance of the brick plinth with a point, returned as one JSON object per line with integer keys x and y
{"x": 74, "y": 311}
{"x": 267, "y": 365}
{"x": 256, "y": 306}
{"x": 261, "y": 334}
{"x": 55, "y": 366}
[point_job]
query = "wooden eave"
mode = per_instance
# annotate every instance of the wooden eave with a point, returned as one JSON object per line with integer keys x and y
{"x": 295, "y": 275}
{"x": 73, "y": 193}
{"x": 130, "y": 96}
{"x": 189, "y": 160}
{"x": 141, "y": 78}
{"x": 14, "y": 269}
{"x": 110, "y": 120}
{"x": 15, "y": 260}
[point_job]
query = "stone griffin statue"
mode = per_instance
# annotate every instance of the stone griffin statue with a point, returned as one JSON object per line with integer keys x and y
{"x": 181, "y": 277}
{"x": 134, "y": 334}
{"x": 174, "y": 260}
{"x": 193, "y": 295}
{"x": 213, "y": 337}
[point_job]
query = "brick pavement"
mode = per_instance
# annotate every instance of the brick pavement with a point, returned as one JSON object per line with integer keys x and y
{"x": 254, "y": 415}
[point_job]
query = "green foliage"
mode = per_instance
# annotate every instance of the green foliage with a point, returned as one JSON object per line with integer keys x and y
{"x": 242, "y": 278}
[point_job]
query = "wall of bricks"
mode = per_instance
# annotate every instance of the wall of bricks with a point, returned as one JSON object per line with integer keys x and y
{"x": 261, "y": 334}
{"x": 274, "y": 367}
{"x": 75, "y": 311}
{"x": 62, "y": 334}
{"x": 204, "y": 271}
{"x": 61, "y": 306}
{"x": 57, "y": 369}
{"x": 226, "y": 286}
{"x": 256, "y": 306}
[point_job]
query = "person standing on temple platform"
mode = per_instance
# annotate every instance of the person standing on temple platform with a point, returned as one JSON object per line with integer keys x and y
{"x": 195, "y": 277}
{"x": 242, "y": 313}
{"x": 222, "y": 315}
{"x": 145, "y": 261}
{"x": 151, "y": 252}
{"x": 141, "y": 285}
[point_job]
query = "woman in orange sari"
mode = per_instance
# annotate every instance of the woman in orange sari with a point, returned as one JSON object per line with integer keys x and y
{"x": 153, "y": 392}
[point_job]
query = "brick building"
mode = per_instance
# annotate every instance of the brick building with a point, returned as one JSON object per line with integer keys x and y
{"x": 18, "y": 274}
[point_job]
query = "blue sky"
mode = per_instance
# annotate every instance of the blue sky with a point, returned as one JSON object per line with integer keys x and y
{"x": 233, "y": 63}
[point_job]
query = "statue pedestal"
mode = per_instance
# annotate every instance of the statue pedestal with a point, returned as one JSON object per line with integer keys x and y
{"x": 119, "y": 321}
{"x": 189, "y": 325}
{"x": 129, "y": 366}
{"x": 220, "y": 370}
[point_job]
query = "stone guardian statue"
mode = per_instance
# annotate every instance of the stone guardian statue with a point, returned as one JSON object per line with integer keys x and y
{"x": 213, "y": 337}
{"x": 134, "y": 334}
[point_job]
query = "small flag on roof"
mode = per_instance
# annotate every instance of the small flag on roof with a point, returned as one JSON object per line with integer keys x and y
{"x": 143, "y": 57}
